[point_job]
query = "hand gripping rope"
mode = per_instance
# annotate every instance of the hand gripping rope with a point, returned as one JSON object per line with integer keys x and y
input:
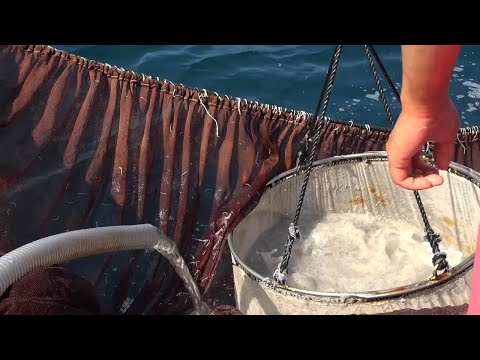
{"x": 439, "y": 259}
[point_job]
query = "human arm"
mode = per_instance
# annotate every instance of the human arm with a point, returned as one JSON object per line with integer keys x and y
{"x": 428, "y": 115}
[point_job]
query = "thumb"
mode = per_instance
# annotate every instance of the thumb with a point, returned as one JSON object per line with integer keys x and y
{"x": 443, "y": 154}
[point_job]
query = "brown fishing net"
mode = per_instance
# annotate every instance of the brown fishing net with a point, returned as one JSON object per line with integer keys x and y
{"x": 83, "y": 145}
{"x": 50, "y": 291}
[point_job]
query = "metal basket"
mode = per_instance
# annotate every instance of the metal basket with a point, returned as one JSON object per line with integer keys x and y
{"x": 344, "y": 184}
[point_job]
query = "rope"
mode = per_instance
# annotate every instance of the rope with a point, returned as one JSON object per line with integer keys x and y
{"x": 280, "y": 274}
{"x": 379, "y": 86}
{"x": 383, "y": 70}
{"x": 302, "y": 155}
{"x": 439, "y": 259}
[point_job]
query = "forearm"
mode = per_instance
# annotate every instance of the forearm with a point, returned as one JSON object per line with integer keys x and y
{"x": 427, "y": 70}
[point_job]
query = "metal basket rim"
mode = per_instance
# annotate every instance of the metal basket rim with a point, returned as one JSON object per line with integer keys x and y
{"x": 371, "y": 156}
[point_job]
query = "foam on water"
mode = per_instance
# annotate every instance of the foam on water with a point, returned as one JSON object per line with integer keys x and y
{"x": 350, "y": 253}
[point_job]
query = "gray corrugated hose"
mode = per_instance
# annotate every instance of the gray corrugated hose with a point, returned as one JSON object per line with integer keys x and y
{"x": 59, "y": 248}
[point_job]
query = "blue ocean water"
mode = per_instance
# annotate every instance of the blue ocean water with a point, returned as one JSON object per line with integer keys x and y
{"x": 289, "y": 76}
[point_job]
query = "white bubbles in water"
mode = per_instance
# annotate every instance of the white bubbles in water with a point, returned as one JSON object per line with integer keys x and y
{"x": 474, "y": 94}
{"x": 460, "y": 96}
{"x": 373, "y": 96}
{"x": 341, "y": 109}
{"x": 458, "y": 69}
{"x": 471, "y": 108}
{"x": 354, "y": 252}
{"x": 356, "y": 100}
{"x": 474, "y": 89}
{"x": 471, "y": 84}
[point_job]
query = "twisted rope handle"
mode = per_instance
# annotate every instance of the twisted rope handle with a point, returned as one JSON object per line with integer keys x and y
{"x": 439, "y": 258}
{"x": 280, "y": 274}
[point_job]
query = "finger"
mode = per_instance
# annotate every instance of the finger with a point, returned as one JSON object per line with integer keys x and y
{"x": 408, "y": 178}
{"x": 434, "y": 179}
{"x": 420, "y": 182}
{"x": 399, "y": 174}
{"x": 422, "y": 176}
{"x": 443, "y": 154}
{"x": 400, "y": 165}
{"x": 420, "y": 164}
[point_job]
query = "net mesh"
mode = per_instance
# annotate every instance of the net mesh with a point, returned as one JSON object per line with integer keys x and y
{"x": 84, "y": 144}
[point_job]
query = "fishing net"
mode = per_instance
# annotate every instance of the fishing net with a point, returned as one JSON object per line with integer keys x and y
{"x": 84, "y": 144}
